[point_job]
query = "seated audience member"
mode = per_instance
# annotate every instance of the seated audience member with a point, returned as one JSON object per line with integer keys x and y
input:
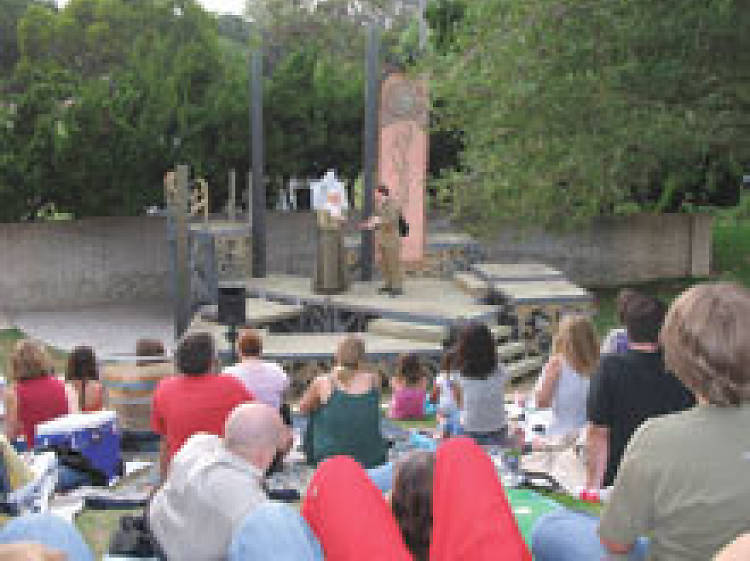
{"x": 683, "y": 479}
{"x": 42, "y": 537}
{"x": 738, "y": 550}
{"x": 274, "y": 531}
{"x": 350, "y": 516}
{"x": 267, "y": 381}
{"x": 409, "y": 389}
{"x": 151, "y": 349}
{"x": 14, "y": 473}
{"x": 85, "y": 391}
{"x": 344, "y": 410}
{"x": 616, "y": 341}
{"x": 481, "y": 386}
{"x": 213, "y": 484}
{"x": 34, "y": 395}
{"x": 564, "y": 383}
{"x": 196, "y": 401}
{"x": 627, "y": 389}
{"x": 445, "y": 394}
{"x": 471, "y": 517}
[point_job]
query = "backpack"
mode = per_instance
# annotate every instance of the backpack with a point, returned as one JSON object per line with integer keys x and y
{"x": 403, "y": 226}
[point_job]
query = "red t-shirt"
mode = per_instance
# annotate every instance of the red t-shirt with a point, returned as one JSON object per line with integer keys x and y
{"x": 39, "y": 400}
{"x": 185, "y": 405}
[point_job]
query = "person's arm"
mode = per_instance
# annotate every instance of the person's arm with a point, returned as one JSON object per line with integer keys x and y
{"x": 597, "y": 451}
{"x": 629, "y": 513}
{"x": 310, "y": 400}
{"x": 458, "y": 396}
{"x": 158, "y": 425}
{"x": 163, "y": 458}
{"x": 600, "y": 414}
{"x": 12, "y": 426}
{"x": 71, "y": 394}
{"x": 30, "y": 552}
{"x": 375, "y": 381}
{"x": 545, "y": 390}
{"x": 738, "y": 550}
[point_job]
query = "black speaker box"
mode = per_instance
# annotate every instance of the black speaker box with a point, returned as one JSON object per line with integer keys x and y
{"x": 232, "y": 305}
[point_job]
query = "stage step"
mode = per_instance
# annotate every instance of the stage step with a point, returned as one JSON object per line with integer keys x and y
{"x": 524, "y": 367}
{"x": 471, "y": 284}
{"x": 511, "y": 350}
{"x": 424, "y": 332}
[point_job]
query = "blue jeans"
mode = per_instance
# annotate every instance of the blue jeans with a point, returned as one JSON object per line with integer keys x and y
{"x": 382, "y": 477}
{"x": 566, "y": 535}
{"x": 69, "y": 478}
{"x": 47, "y": 530}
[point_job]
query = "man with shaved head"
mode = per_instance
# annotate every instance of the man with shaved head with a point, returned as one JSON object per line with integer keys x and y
{"x": 214, "y": 482}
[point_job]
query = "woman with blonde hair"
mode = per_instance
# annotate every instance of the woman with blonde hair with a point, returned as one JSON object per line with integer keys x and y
{"x": 344, "y": 410}
{"x": 34, "y": 395}
{"x": 564, "y": 383}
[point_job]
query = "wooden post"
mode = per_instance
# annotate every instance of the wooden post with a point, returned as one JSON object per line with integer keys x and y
{"x": 231, "y": 210}
{"x": 372, "y": 82}
{"x": 258, "y": 228}
{"x": 250, "y": 200}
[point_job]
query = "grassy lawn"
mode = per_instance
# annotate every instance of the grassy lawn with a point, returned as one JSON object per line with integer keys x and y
{"x": 731, "y": 262}
{"x": 8, "y": 338}
{"x": 97, "y": 527}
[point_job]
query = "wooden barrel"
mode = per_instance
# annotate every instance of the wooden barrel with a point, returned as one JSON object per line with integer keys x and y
{"x": 130, "y": 389}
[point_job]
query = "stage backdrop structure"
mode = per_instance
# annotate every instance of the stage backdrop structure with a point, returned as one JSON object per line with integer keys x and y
{"x": 205, "y": 250}
{"x": 402, "y": 154}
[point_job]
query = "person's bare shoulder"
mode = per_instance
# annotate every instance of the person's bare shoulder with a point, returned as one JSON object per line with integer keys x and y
{"x": 738, "y": 550}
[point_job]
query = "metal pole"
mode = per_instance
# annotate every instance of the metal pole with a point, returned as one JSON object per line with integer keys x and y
{"x": 231, "y": 202}
{"x": 422, "y": 25}
{"x": 372, "y": 84}
{"x": 182, "y": 278}
{"x": 258, "y": 206}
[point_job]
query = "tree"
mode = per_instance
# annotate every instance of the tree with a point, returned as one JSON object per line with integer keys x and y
{"x": 572, "y": 109}
{"x": 110, "y": 95}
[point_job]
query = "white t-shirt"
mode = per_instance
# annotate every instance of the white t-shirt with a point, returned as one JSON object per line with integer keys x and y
{"x": 267, "y": 381}
{"x": 208, "y": 492}
{"x": 569, "y": 401}
{"x": 446, "y": 403}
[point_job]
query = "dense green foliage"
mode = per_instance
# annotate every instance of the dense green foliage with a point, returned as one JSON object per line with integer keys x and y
{"x": 100, "y": 98}
{"x": 569, "y": 109}
{"x": 558, "y": 110}
{"x": 106, "y": 95}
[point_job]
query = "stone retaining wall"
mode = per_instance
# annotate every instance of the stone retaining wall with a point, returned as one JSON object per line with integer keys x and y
{"x": 120, "y": 259}
{"x": 50, "y": 265}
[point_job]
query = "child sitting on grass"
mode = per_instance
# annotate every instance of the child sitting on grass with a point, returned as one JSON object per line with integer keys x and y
{"x": 409, "y": 389}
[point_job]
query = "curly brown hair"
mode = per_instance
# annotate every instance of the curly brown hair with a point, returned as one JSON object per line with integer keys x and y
{"x": 705, "y": 341}
{"x": 411, "y": 501}
{"x": 477, "y": 355}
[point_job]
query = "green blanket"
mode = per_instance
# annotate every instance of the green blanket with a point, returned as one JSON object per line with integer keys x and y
{"x": 528, "y": 506}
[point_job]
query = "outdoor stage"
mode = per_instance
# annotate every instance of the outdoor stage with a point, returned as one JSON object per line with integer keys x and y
{"x": 425, "y": 300}
{"x": 302, "y": 329}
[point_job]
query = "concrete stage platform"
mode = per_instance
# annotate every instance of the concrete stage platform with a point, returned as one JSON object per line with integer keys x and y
{"x": 516, "y": 272}
{"x": 553, "y": 292}
{"x": 322, "y": 347}
{"x": 425, "y": 300}
{"x": 261, "y": 313}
